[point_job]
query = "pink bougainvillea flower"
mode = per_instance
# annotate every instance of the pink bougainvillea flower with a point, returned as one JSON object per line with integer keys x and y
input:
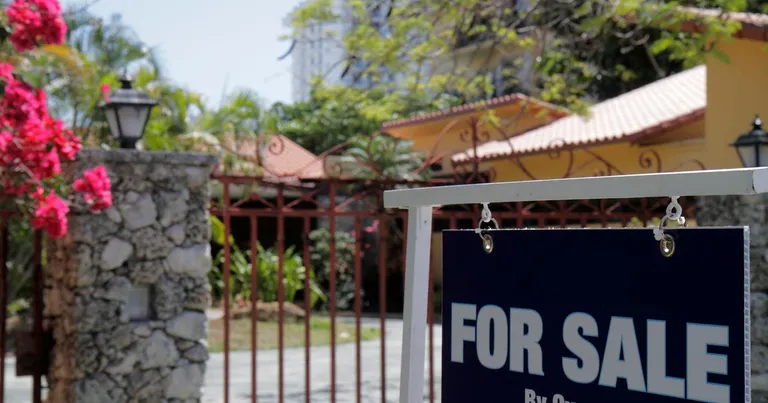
{"x": 372, "y": 228}
{"x": 33, "y": 144}
{"x": 51, "y": 215}
{"x": 36, "y": 22}
{"x": 95, "y": 186}
{"x": 105, "y": 89}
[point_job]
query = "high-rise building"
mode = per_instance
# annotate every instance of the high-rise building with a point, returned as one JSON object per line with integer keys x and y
{"x": 318, "y": 51}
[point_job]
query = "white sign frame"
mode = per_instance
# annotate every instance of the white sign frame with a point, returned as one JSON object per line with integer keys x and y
{"x": 421, "y": 201}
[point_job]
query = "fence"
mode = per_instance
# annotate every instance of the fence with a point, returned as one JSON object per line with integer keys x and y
{"x": 25, "y": 337}
{"x": 281, "y": 216}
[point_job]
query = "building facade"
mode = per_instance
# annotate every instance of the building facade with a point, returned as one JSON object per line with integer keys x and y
{"x": 318, "y": 51}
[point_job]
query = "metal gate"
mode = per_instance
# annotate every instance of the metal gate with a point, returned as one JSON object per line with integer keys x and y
{"x": 257, "y": 213}
{"x": 23, "y": 341}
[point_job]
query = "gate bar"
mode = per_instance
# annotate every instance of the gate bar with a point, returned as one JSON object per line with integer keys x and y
{"x": 420, "y": 202}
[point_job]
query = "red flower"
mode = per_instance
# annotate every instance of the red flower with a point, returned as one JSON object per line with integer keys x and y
{"x": 12, "y": 188}
{"x": 20, "y": 103}
{"x": 46, "y": 165}
{"x": 105, "y": 88}
{"x": 36, "y": 22}
{"x": 67, "y": 143}
{"x": 96, "y": 186}
{"x": 6, "y": 142}
{"x": 32, "y": 142}
{"x": 51, "y": 214}
{"x": 6, "y": 71}
{"x": 373, "y": 227}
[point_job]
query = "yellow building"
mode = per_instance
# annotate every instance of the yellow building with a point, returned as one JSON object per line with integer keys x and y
{"x": 446, "y": 133}
{"x": 683, "y": 122}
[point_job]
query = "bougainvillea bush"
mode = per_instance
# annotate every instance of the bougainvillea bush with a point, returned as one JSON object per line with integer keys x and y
{"x": 33, "y": 144}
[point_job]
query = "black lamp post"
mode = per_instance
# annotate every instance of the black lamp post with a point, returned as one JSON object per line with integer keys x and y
{"x": 752, "y": 146}
{"x": 127, "y": 111}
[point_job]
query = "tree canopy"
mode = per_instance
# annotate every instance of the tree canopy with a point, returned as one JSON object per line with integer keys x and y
{"x": 443, "y": 52}
{"x": 568, "y": 53}
{"x": 335, "y": 115}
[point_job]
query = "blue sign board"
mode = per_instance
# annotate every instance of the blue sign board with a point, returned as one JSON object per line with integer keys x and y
{"x": 596, "y": 316}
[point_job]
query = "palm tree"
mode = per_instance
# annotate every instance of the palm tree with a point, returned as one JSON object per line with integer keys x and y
{"x": 95, "y": 52}
{"x": 380, "y": 156}
{"x": 240, "y": 113}
{"x": 175, "y": 114}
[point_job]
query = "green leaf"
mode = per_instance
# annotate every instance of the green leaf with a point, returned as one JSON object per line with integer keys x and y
{"x": 661, "y": 45}
{"x": 218, "y": 230}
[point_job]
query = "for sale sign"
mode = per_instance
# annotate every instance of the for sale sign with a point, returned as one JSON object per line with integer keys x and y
{"x": 596, "y": 316}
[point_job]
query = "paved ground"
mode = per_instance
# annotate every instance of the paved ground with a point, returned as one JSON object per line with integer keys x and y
{"x": 18, "y": 389}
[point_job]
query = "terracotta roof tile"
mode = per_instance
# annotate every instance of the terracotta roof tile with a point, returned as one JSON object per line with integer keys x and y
{"x": 662, "y": 104}
{"x": 535, "y": 105}
{"x": 753, "y": 26}
{"x": 281, "y": 159}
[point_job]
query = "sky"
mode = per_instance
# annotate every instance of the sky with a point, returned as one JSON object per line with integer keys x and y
{"x": 213, "y": 46}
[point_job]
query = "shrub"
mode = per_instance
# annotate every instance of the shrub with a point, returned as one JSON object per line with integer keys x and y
{"x": 294, "y": 273}
{"x": 320, "y": 257}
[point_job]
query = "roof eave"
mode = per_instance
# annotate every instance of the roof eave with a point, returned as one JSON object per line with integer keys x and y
{"x": 466, "y": 109}
{"x": 633, "y": 139}
{"x": 749, "y": 30}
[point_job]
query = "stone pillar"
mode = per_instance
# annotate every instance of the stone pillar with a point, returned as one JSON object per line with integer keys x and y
{"x": 751, "y": 211}
{"x": 126, "y": 289}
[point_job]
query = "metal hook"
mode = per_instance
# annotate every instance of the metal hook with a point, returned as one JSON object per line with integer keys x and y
{"x": 486, "y": 217}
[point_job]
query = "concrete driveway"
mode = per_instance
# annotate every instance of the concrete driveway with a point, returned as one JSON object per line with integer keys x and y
{"x": 18, "y": 389}
{"x": 240, "y": 372}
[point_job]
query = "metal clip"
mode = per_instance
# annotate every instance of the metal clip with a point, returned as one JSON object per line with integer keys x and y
{"x": 666, "y": 242}
{"x": 486, "y": 217}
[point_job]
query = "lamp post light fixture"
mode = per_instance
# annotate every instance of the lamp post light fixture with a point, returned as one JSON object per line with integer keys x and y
{"x": 127, "y": 110}
{"x": 752, "y": 146}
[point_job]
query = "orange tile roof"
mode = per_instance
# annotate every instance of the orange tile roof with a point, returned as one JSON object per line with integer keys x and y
{"x": 534, "y": 106}
{"x": 281, "y": 159}
{"x": 666, "y": 103}
{"x": 753, "y": 26}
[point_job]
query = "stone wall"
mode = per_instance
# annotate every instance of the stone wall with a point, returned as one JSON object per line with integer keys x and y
{"x": 126, "y": 289}
{"x": 751, "y": 211}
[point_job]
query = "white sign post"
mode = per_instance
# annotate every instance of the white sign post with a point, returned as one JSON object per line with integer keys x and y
{"x": 421, "y": 201}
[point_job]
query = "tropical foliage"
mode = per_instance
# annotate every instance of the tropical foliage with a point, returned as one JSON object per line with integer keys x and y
{"x": 345, "y": 121}
{"x": 320, "y": 256}
{"x": 241, "y": 271}
{"x": 568, "y": 53}
{"x": 96, "y": 53}
{"x": 295, "y": 272}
